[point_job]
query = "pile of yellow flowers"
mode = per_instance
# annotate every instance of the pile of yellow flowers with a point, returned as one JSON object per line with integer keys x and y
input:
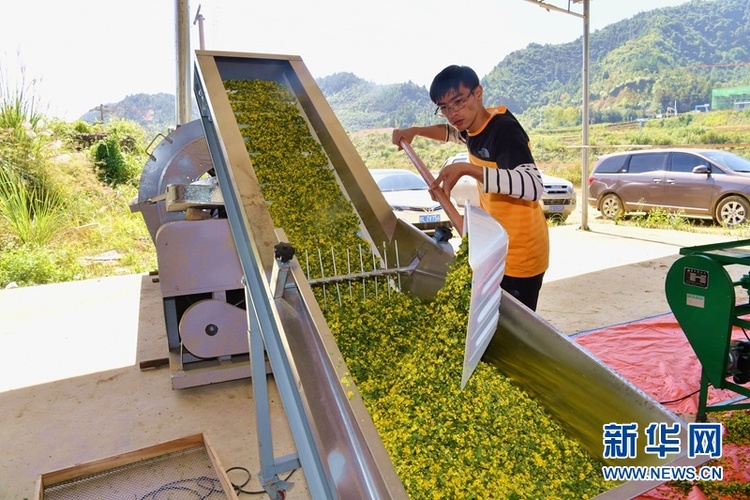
{"x": 490, "y": 440}
{"x": 301, "y": 190}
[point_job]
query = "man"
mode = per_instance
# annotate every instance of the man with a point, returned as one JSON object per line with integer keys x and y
{"x": 509, "y": 183}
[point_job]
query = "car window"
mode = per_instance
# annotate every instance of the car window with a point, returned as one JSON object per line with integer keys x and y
{"x": 647, "y": 162}
{"x": 612, "y": 165}
{"x": 401, "y": 182}
{"x": 729, "y": 160}
{"x": 685, "y": 162}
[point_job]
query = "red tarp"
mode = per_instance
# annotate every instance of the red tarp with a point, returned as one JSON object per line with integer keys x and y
{"x": 655, "y": 356}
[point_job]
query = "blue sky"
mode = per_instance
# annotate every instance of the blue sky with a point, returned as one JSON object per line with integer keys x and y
{"x": 82, "y": 53}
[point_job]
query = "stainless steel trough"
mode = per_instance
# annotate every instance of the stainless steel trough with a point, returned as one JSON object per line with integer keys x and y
{"x": 339, "y": 447}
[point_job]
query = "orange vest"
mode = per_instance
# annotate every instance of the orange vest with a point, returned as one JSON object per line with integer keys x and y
{"x": 528, "y": 235}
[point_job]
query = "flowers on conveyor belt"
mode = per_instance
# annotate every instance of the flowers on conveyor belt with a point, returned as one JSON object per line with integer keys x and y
{"x": 490, "y": 440}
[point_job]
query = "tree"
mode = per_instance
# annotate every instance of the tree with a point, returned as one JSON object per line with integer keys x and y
{"x": 681, "y": 86}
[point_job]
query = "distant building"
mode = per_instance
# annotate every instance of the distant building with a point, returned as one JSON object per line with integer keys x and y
{"x": 731, "y": 98}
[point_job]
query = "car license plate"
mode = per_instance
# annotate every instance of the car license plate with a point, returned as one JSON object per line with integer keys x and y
{"x": 556, "y": 208}
{"x": 429, "y": 218}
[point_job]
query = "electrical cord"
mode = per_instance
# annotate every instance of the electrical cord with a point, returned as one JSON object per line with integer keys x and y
{"x": 680, "y": 399}
{"x": 238, "y": 487}
{"x": 201, "y": 488}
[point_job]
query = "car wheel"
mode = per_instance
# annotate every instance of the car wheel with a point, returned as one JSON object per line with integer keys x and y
{"x": 611, "y": 207}
{"x": 557, "y": 219}
{"x": 732, "y": 211}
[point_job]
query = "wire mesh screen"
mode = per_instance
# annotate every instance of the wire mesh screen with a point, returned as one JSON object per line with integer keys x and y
{"x": 184, "y": 474}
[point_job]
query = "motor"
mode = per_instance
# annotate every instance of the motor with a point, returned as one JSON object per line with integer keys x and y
{"x": 739, "y": 361}
{"x": 443, "y": 234}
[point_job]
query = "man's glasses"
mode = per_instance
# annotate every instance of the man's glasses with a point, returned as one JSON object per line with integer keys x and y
{"x": 457, "y": 105}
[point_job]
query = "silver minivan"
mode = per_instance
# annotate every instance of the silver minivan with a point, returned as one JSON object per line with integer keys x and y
{"x": 704, "y": 183}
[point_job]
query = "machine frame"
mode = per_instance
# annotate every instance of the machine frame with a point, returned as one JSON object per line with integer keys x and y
{"x": 702, "y": 296}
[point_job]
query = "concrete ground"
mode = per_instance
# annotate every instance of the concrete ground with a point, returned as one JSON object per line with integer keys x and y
{"x": 72, "y": 390}
{"x": 612, "y": 274}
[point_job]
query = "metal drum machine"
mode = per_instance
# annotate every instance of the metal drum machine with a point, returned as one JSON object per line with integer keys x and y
{"x": 199, "y": 271}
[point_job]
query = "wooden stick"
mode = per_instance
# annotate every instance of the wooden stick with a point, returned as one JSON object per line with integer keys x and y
{"x": 437, "y": 193}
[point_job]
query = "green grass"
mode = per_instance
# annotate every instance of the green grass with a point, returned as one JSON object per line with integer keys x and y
{"x": 32, "y": 214}
{"x": 658, "y": 218}
{"x": 57, "y": 212}
{"x": 97, "y": 219}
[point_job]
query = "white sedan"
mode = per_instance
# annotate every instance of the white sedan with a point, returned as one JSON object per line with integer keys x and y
{"x": 409, "y": 197}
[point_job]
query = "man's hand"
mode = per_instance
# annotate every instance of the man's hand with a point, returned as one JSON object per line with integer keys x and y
{"x": 405, "y": 134}
{"x": 450, "y": 174}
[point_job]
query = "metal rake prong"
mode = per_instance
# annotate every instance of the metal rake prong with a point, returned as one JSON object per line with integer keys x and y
{"x": 338, "y": 288}
{"x": 322, "y": 275}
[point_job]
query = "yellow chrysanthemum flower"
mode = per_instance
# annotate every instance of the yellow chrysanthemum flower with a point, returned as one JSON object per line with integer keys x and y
{"x": 490, "y": 440}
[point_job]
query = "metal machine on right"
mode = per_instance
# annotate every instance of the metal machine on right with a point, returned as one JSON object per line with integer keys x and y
{"x": 702, "y": 295}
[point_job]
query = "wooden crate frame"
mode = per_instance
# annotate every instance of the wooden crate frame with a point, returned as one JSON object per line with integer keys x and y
{"x": 80, "y": 471}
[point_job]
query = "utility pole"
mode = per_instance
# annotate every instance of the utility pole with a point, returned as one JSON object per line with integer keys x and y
{"x": 182, "y": 48}
{"x": 199, "y": 19}
{"x": 101, "y": 109}
{"x": 585, "y": 103}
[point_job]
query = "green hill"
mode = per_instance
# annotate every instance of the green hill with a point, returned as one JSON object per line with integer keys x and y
{"x": 639, "y": 67}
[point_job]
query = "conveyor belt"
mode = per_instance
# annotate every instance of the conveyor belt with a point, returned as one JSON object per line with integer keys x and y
{"x": 339, "y": 447}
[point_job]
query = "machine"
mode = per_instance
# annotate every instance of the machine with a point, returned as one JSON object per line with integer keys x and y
{"x": 337, "y": 444}
{"x": 703, "y": 298}
{"x": 199, "y": 271}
